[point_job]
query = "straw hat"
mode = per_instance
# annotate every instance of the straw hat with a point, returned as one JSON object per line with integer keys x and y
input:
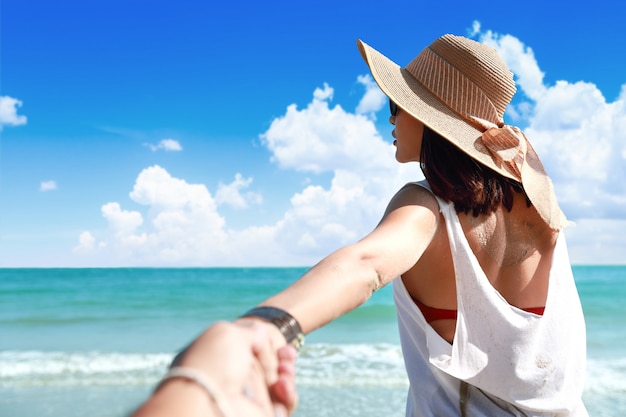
{"x": 460, "y": 89}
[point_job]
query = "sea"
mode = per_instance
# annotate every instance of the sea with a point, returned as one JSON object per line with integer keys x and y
{"x": 94, "y": 342}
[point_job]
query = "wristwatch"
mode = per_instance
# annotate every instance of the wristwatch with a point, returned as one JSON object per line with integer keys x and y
{"x": 286, "y": 323}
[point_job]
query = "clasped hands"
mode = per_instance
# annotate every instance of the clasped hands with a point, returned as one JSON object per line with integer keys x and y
{"x": 250, "y": 375}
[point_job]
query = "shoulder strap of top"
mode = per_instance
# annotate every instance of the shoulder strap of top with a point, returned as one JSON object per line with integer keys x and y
{"x": 443, "y": 205}
{"x": 424, "y": 184}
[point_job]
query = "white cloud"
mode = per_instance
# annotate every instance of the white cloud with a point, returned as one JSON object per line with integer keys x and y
{"x": 122, "y": 222}
{"x": 168, "y": 145}
{"x": 597, "y": 241}
{"x": 574, "y": 129}
{"x": 373, "y": 99}
{"x": 320, "y": 218}
{"x": 230, "y": 194}
{"x": 8, "y": 112}
{"x": 474, "y": 30}
{"x": 86, "y": 242}
{"x": 577, "y": 133}
{"x": 521, "y": 61}
{"x": 323, "y": 139}
{"x": 181, "y": 223}
{"x": 47, "y": 186}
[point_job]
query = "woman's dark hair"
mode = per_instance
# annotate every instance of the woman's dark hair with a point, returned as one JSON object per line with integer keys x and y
{"x": 455, "y": 176}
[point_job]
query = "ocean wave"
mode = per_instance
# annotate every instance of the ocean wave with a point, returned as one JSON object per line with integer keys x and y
{"x": 36, "y": 368}
{"x": 318, "y": 365}
{"x": 351, "y": 365}
{"x": 605, "y": 387}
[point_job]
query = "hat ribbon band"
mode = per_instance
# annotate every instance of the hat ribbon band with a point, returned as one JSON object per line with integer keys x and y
{"x": 507, "y": 145}
{"x": 510, "y": 147}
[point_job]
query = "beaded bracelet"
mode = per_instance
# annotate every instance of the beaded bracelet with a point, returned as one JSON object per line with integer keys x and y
{"x": 199, "y": 379}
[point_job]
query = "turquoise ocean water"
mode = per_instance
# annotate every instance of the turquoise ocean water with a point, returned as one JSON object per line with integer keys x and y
{"x": 93, "y": 342}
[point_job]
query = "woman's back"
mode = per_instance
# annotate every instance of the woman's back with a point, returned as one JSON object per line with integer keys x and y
{"x": 482, "y": 285}
{"x": 514, "y": 249}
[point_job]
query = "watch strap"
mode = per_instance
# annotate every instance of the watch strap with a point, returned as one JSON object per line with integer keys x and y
{"x": 286, "y": 323}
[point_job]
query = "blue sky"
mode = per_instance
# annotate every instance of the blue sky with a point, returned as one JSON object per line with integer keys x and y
{"x": 138, "y": 133}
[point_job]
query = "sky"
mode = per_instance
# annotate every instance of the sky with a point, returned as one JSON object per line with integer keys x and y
{"x": 188, "y": 133}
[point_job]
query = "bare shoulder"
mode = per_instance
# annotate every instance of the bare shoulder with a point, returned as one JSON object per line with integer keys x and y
{"x": 413, "y": 211}
{"x": 412, "y": 194}
{"x": 403, "y": 234}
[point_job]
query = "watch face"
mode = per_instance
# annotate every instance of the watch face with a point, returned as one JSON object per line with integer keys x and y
{"x": 298, "y": 341}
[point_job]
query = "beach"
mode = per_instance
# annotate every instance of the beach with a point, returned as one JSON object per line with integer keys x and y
{"x": 94, "y": 342}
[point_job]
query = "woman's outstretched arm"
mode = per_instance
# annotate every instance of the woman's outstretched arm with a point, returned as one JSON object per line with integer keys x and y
{"x": 347, "y": 278}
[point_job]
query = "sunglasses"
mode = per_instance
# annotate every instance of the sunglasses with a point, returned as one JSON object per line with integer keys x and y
{"x": 393, "y": 108}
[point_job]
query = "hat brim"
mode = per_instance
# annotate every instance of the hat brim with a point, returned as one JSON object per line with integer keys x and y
{"x": 403, "y": 89}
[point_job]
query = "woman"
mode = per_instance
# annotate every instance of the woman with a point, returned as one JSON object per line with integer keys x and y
{"x": 489, "y": 317}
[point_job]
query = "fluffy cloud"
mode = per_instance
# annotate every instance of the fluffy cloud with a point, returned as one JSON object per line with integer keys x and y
{"x": 322, "y": 138}
{"x": 521, "y": 61}
{"x": 8, "y": 112}
{"x": 179, "y": 223}
{"x": 577, "y": 133}
{"x": 86, "y": 242}
{"x": 373, "y": 99}
{"x": 575, "y": 130}
{"x": 319, "y": 138}
{"x": 231, "y": 195}
{"x": 122, "y": 223}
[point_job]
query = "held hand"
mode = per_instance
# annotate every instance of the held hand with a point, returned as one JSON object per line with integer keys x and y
{"x": 255, "y": 379}
{"x": 230, "y": 370}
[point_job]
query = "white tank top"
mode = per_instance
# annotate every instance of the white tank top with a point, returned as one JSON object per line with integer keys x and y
{"x": 504, "y": 361}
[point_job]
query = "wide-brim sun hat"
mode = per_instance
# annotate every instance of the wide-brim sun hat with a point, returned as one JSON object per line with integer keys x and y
{"x": 460, "y": 89}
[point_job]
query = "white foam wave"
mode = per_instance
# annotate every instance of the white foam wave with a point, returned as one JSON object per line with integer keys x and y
{"x": 318, "y": 365}
{"x": 351, "y": 365}
{"x": 35, "y": 368}
{"x": 605, "y": 387}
